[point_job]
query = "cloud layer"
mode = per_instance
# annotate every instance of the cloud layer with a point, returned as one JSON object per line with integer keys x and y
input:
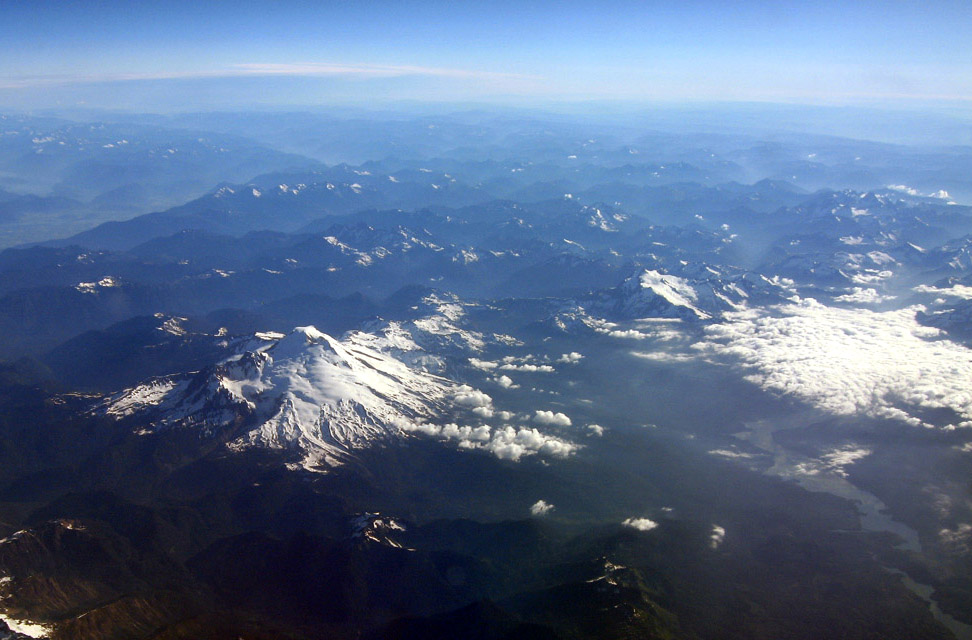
{"x": 850, "y": 361}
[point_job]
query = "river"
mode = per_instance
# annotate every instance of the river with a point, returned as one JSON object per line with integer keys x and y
{"x": 875, "y": 516}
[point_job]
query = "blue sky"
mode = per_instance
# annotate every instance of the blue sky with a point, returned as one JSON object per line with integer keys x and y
{"x": 309, "y": 52}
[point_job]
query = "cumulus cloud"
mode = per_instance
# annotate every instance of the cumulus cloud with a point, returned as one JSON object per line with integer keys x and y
{"x": 571, "y": 358}
{"x": 850, "y": 361}
{"x": 596, "y": 429}
{"x": 958, "y": 540}
{"x": 532, "y": 368}
{"x": 717, "y": 536}
{"x": 836, "y": 459}
{"x": 505, "y": 381}
{"x": 466, "y": 434}
{"x": 863, "y": 295}
{"x": 466, "y": 396}
{"x": 427, "y": 429}
{"x": 641, "y": 524}
{"x": 484, "y": 412}
{"x": 832, "y": 462}
{"x": 509, "y": 443}
{"x": 632, "y": 334}
{"x": 541, "y": 508}
{"x": 903, "y": 188}
{"x": 551, "y": 418}
{"x": 871, "y": 276}
{"x": 485, "y": 365}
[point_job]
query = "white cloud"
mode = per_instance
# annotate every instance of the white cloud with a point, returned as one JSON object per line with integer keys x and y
{"x": 556, "y": 447}
{"x": 956, "y": 291}
{"x": 833, "y": 461}
{"x": 957, "y": 540}
{"x": 728, "y": 453}
{"x": 533, "y": 368}
{"x": 903, "y": 188}
{"x": 507, "y": 443}
{"x": 849, "y": 361}
{"x": 427, "y": 429}
{"x": 717, "y": 536}
{"x": 863, "y": 295}
{"x": 571, "y": 358}
{"x": 541, "y": 508}
{"x": 466, "y": 396}
{"x": 871, "y": 276}
{"x": 837, "y": 459}
{"x": 632, "y": 334}
{"x": 511, "y": 444}
{"x": 596, "y": 429}
{"x": 375, "y": 70}
{"x": 551, "y": 418}
{"x": 483, "y": 412}
{"x": 468, "y": 437}
{"x": 505, "y": 450}
{"x": 485, "y": 365}
{"x": 641, "y": 524}
{"x": 266, "y": 69}
{"x": 505, "y": 381}
{"x": 663, "y": 356}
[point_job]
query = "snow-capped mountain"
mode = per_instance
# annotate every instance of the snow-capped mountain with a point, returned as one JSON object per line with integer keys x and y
{"x": 955, "y": 255}
{"x": 697, "y": 292}
{"x": 955, "y": 319}
{"x": 306, "y": 392}
{"x": 435, "y": 331}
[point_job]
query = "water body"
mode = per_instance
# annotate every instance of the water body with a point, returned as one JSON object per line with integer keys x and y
{"x": 959, "y": 629}
{"x": 813, "y": 475}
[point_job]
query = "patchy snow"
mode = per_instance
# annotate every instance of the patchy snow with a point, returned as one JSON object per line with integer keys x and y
{"x": 32, "y": 629}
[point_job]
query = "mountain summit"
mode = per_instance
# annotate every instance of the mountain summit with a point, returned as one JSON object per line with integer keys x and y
{"x": 305, "y": 392}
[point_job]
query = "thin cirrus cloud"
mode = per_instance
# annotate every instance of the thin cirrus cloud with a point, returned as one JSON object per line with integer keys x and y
{"x": 315, "y": 69}
{"x": 262, "y": 69}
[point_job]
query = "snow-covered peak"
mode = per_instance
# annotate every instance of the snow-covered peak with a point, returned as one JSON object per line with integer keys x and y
{"x": 655, "y": 294}
{"x": 673, "y": 289}
{"x": 306, "y": 392}
{"x": 303, "y": 339}
{"x": 319, "y": 399}
{"x": 696, "y": 291}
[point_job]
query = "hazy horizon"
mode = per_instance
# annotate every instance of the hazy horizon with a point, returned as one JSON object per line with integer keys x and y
{"x": 219, "y": 55}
